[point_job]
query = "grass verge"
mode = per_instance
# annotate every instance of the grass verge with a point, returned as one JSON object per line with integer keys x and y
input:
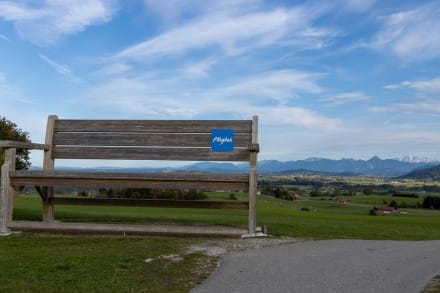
{"x": 44, "y": 263}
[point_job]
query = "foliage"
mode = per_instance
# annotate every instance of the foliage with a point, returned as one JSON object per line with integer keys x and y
{"x": 154, "y": 193}
{"x": 393, "y": 204}
{"x": 431, "y": 202}
{"x": 10, "y": 131}
{"x": 232, "y": 196}
{"x": 278, "y": 192}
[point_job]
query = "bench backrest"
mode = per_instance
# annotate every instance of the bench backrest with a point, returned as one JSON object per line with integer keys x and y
{"x": 186, "y": 140}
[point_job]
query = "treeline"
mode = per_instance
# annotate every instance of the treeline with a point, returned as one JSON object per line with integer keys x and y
{"x": 431, "y": 202}
{"x": 350, "y": 188}
{"x": 148, "y": 193}
{"x": 278, "y": 192}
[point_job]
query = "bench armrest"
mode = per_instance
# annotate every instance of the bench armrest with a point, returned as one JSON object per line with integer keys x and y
{"x": 23, "y": 145}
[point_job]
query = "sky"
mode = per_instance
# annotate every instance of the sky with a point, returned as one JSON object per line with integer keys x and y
{"x": 334, "y": 79}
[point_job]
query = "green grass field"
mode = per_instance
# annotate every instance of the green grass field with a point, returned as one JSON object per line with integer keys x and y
{"x": 53, "y": 263}
{"x": 325, "y": 219}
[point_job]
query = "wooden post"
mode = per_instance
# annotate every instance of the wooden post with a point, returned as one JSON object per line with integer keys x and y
{"x": 7, "y": 192}
{"x": 4, "y": 199}
{"x": 48, "y": 164}
{"x": 10, "y": 154}
{"x": 253, "y": 179}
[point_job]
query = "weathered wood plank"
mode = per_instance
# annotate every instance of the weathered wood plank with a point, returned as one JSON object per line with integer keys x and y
{"x": 161, "y": 126}
{"x": 143, "y": 139}
{"x": 136, "y": 180}
{"x": 253, "y": 179}
{"x": 49, "y": 165}
{"x": 139, "y": 153}
{"x": 23, "y": 145}
{"x": 4, "y": 199}
{"x": 128, "y": 229}
{"x": 184, "y": 176}
{"x": 239, "y": 205}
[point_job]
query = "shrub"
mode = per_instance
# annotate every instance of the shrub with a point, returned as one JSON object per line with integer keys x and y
{"x": 232, "y": 196}
{"x": 431, "y": 202}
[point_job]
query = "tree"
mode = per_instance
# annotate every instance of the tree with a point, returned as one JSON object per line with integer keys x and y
{"x": 10, "y": 131}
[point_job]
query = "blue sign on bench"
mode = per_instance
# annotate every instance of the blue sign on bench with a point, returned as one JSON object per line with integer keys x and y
{"x": 222, "y": 140}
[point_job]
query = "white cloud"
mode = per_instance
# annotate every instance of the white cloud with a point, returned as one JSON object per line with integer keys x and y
{"x": 279, "y": 84}
{"x": 199, "y": 69}
{"x": 345, "y": 98}
{"x": 411, "y": 35}
{"x": 235, "y": 33}
{"x": 44, "y": 22}
{"x": 176, "y": 97}
{"x": 432, "y": 85}
{"x": 61, "y": 69}
{"x": 297, "y": 116}
{"x": 417, "y": 107}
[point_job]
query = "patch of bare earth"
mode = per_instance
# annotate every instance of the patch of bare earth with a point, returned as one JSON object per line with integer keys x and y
{"x": 213, "y": 250}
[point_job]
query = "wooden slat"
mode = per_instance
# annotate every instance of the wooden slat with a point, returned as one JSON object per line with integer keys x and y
{"x": 201, "y": 181}
{"x": 144, "y": 139}
{"x": 184, "y": 176}
{"x": 137, "y": 153}
{"x": 22, "y": 145}
{"x": 239, "y": 205}
{"x": 160, "y": 126}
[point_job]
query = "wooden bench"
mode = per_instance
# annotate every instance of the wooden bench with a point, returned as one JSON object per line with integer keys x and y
{"x": 182, "y": 140}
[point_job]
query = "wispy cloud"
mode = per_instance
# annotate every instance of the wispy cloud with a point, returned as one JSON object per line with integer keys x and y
{"x": 3, "y": 37}
{"x": 235, "y": 33}
{"x": 44, "y": 22}
{"x": 61, "y": 69}
{"x": 9, "y": 94}
{"x": 357, "y": 5}
{"x": 432, "y": 85}
{"x": 298, "y": 116}
{"x": 417, "y": 107}
{"x": 345, "y": 98}
{"x": 412, "y": 35}
{"x": 241, "y": 97}
{"x": 199, "y": 69}
{"x": 172, "y": 10}
{"x": 278, "y": 84}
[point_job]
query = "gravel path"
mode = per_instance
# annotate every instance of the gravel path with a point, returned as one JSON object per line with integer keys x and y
{"x": 328, "y": 266}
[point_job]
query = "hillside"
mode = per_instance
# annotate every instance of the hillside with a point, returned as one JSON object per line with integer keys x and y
{"x": 430, "y": 173}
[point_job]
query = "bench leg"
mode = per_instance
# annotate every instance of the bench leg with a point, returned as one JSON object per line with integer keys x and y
{"x": 48, "y": 212}
{"x": 252, "y": 196}
{"x": 4, "y": 200}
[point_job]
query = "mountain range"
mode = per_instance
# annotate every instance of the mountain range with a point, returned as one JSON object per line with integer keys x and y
{"x": 374, "y": 166}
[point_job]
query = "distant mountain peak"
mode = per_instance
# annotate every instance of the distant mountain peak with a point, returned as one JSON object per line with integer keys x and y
{"x": 313, "y": 159}
{"x": 375, "y": 158}
{"x": 417, "y": 159}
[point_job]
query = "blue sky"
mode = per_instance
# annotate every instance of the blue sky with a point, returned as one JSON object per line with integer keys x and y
{"x": 335, "y": 79}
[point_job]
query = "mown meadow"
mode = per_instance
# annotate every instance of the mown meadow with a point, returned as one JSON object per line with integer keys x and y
{"x": 50, "y": 263}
